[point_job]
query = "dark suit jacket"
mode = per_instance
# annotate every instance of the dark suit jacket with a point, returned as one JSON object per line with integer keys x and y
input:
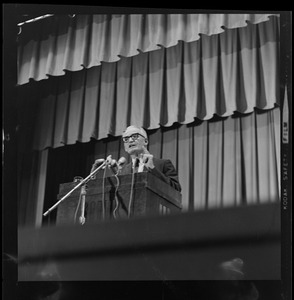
{"x": 164, "y": 170}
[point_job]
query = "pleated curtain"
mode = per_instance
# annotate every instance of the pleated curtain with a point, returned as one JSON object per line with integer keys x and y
{"x": 234, "y": 71}
{"x": 62, "y": 43}
{"x": 208, "y": 96}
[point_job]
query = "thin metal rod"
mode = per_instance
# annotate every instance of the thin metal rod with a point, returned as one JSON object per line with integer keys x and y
{"x": 35, "y": 19}
{"x": 76, "y": 187}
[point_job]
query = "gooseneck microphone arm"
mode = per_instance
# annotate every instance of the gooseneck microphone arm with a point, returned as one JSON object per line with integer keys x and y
{"x": 82, "y": 182}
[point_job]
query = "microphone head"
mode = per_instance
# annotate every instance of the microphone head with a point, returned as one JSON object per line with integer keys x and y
{"x": 113, "y": 163}
{"x": 109, "y": 159}
{"x": 99, "y": 161}
{"x": 121, "y": 161}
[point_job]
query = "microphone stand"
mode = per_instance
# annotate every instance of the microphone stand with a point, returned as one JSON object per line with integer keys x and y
{"x": 83, "y": 194}
{"x": 82, "y": 182}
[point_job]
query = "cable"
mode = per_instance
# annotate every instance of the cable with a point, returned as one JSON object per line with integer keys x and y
{"x": 77, "y": 208}
{"x": 103, "y": 194}
{"x": 131, "y": 193}
{"x": 115, "y": 196}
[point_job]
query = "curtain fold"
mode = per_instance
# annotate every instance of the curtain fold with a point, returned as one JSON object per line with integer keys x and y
{"x": 236, "y": 70}
{"x": 27, "y": 187}
{"x": 62, "y": 43}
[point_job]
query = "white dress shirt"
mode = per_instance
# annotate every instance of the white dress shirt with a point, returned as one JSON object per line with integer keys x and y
{"x": 141, "y": 164}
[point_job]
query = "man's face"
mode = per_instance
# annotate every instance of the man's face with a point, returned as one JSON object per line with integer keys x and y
{"x": 134, "y": 141}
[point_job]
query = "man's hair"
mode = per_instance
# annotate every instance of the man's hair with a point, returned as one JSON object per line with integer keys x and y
{"x": 140, "y": 129}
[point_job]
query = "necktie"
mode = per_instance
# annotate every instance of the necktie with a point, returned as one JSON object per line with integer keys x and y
{"x": 139, "y": 166}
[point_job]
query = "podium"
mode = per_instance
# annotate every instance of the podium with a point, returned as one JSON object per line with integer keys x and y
{"x": 109, "y": 198}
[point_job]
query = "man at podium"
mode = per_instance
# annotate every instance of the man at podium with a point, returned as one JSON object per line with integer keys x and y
{"x": 155, "y": 190}
{"x": 135, "y": 144}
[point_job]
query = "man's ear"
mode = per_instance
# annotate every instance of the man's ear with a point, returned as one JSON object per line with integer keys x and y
{"x": 146, "y": 142}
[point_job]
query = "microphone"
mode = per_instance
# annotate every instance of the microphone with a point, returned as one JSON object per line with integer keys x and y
{"x": 109, "y": 160}
{"x": 95, "y": 165}
{"x": 116, "y": 166}
{"x": 121, "y": 163}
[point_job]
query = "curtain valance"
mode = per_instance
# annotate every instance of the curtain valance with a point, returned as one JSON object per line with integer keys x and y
{"x": 236, "y": 70}
{"x": 62, "y": 43}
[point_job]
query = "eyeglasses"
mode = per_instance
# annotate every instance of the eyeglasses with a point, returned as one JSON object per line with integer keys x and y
{"x": 134, "y": 136}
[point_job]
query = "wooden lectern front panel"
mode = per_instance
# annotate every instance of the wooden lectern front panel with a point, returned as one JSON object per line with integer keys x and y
{"x": 104, "y": 201}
